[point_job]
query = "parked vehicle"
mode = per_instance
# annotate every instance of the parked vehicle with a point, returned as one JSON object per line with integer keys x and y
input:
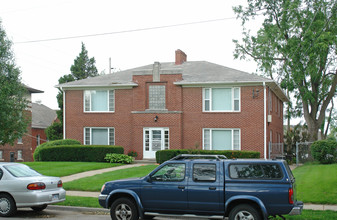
{"x": 21, "y": 186}
{"x": 206, "y": 185}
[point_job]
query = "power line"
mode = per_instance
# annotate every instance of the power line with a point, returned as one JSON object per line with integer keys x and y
{"x": 125, "y": 31}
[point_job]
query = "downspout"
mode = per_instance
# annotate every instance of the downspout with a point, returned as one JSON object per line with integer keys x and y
{"x": 64, "y": 114}
{"x": 265, "y": 119}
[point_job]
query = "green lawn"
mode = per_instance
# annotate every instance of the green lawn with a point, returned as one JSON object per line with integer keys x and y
{"x": 311, "y": 215}
{"x": 94, "y": 183}
{"x": 60, "y": 169}
{"x": 317, "y": 183}
{"x": 80, "y": 202}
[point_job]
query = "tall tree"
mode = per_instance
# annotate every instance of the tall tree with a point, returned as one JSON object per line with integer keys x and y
{"x": 297, "y": 42}
{"x": 82, "y": 68}
{"x": 13, "y": 120}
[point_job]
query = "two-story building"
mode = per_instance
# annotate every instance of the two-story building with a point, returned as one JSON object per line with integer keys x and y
{"x": 175, "y": 105}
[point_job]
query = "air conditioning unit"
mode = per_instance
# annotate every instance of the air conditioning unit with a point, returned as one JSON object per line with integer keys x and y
{"x": 269, "y": 118}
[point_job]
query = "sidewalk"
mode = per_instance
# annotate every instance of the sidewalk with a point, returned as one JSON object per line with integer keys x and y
{"x": 139, "y": 163}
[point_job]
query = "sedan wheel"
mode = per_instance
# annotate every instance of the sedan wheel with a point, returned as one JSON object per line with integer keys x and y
{"x": 7, "y": 205}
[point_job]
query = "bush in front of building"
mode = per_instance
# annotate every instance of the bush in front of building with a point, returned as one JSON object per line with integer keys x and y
{"x": 54, "y": 143}
{"x": 164, "y": 155}
{"x": 118, "y": 158}
{"x": 324, "y": 151}
{"x": 83, "y": 153}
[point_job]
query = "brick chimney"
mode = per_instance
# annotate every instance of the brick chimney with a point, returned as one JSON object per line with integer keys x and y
{"x": 181, "y": 57}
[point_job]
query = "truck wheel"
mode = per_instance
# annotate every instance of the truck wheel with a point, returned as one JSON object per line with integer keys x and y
{"x": 123, "y": 209}
{"x": 244, "y": 211}
{"x": 7, "y": 205}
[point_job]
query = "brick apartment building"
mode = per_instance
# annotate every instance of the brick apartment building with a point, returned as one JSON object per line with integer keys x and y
{"x": 175, "y": 105}
{"x": 23, "y": 148}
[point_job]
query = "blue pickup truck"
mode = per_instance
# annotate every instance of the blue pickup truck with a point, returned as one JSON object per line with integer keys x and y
{"x": 210, "y": 186}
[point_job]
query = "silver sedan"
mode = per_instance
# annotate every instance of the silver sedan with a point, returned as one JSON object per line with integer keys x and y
{"x": 21, "y": 186}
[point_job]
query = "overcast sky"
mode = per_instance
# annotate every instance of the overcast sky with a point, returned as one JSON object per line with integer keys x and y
{"x": 115, "y": 26}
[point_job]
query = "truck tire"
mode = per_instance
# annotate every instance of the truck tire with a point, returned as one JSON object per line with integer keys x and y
{"x": 7, "y": 205}
{"x": 123, "y": 209}
{"x": 244, "y": 211}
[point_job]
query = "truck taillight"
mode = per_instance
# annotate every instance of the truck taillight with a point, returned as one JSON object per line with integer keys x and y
{"x": 291, "y": 196}
{"x": 59, "y": 184}
{"x": 36, "y": 186}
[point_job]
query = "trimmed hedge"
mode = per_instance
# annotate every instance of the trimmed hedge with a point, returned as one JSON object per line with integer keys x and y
{"x": 54, "y": 143}
{"x": 164, "y": 155}
{"x": 324, "y": 151}
{"x": 83, "y": 153}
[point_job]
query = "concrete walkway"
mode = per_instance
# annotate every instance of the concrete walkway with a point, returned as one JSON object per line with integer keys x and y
{"x": 96, "y": 194}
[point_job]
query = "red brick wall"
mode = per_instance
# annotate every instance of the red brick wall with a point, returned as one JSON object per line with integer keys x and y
{"x": 35, "y": 133}
{"x": 185, "y": 119}
{"x": 249, "y": 120}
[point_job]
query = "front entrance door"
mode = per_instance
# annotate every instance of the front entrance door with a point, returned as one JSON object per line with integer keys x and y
{"x": 12, "y": 159}
{"x": 155, "y": 139}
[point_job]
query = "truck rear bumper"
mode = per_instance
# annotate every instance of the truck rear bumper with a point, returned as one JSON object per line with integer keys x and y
{"x": 297, "y": 209}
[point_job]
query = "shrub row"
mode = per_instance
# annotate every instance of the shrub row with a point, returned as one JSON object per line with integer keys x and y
{"x": 83, "y": 153}
{"x": 54, "y": 143}
{"x": 164, "y": 155}
{"x": 324, "y": 151}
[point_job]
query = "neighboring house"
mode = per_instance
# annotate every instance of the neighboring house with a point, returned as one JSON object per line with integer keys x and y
{"x": 42, "y": 118}
{"x": 176, "y": 105}
{"x": 24, "y": 147}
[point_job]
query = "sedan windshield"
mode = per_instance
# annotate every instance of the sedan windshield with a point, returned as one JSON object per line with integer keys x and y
{"x": 20, "y": 170}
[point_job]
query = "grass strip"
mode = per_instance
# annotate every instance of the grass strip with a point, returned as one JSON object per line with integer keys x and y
{"x": 80, "y": 202}
{"x": 60, "y": 169}
{"x": 94, "y": 183}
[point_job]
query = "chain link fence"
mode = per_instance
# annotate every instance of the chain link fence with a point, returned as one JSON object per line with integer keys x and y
{"x": 303, "y": 153}
{"x": 276, "y": 150}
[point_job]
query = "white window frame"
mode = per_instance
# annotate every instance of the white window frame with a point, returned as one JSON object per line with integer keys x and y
{"x": 108, "y": 100}
{"x": 19, "y": 141}
{"x": 20, "y": 155}
{"x": 220, "y": 129}
{"x": 90, "y": 138}
{"x": 210, "y": 99}
{"x": 1, "y": 154}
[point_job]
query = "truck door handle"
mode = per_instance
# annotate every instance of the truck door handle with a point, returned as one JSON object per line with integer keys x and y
{"x": 181, "y": 187}
{"x": 212, "y": 188}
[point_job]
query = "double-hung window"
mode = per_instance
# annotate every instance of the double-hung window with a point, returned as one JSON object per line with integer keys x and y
{"x": 221, "y": 139}
{"x": 99, "y": 136}
{"x": 99, "y": 101}
{"x": 221, "y": 99}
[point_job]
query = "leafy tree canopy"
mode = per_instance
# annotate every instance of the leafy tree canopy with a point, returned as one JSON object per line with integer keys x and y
{"x": 13, "y": 118}
{"x": 297, "y": 44}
